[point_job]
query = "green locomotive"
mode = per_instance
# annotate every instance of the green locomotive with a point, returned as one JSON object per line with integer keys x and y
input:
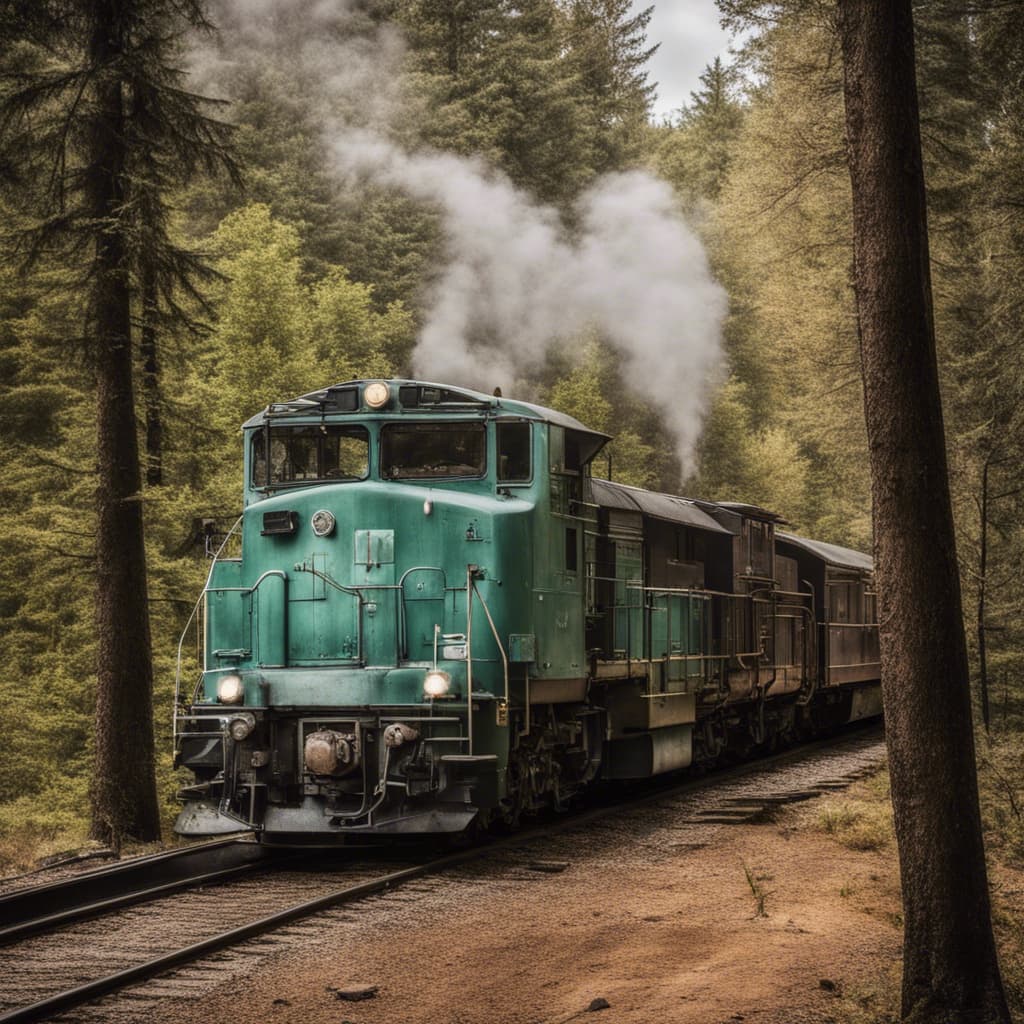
{"x": 438, "y": 618}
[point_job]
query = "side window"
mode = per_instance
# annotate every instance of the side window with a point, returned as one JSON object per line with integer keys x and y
{"x": 571, "y": 557}
{"x": 839, "y": 600}
{"x": 760, "y": 549}
{"x": 514, "y": 451}
{"x": 259, "y": 459}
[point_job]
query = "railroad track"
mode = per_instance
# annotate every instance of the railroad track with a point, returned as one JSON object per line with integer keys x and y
{"x": 44, "y": 907}
{"x": 69, "y": 966}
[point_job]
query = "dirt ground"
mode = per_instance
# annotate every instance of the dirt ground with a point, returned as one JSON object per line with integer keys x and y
{"x": 664, "y": 934}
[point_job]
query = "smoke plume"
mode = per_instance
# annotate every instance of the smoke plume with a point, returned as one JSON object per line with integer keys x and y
{"x": 515, "y": 279}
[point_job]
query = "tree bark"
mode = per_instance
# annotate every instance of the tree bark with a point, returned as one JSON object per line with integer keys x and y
{"x": 151, "y": 378}
{"x": 950, "y": 969}
{"x": 124, "y": 800}
{"x": 982, "y": 594}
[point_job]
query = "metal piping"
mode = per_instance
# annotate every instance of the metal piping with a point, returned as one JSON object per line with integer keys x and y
{"x": 469, "y": 656}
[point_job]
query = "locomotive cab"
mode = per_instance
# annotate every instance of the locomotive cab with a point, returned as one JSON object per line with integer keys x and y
{"x": 407, "y": 568}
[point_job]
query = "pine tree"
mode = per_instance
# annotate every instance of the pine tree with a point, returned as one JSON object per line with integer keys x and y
{"x": 104, "y": 114}
{"x": 695, "y": 154}
{"x": 499, "y": 87}
{"x": 608, "y": 52}
{"x": 950, "y": 968}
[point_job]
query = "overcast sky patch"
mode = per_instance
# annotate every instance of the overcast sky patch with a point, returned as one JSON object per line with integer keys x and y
{"x": 690, "y": 38}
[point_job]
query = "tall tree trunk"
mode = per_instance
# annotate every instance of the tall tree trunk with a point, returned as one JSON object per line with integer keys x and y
{"x": 124, "y": 801}
{"x": 151, "y": 378}
{"x": 950, "y": 970}
{"x": 982, "y": 594}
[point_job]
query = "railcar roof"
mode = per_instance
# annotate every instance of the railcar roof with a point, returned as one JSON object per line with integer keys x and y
{"x": 833, "y": 554}
{"x": 652, "y": 503}
{"x": 313, "y": 402}
{"x": 750, "y": 511}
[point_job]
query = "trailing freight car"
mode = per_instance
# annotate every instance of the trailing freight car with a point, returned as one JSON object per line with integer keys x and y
{"x": 431, "y": 616}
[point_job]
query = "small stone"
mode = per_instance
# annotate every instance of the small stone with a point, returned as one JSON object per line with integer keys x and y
{"x": 828, "y": 985}
{"x": 599, "y": 1003}
{"x": 357, "y": 994}
{"x": 282, "y": 1002}
{"x": 551, "y": 867}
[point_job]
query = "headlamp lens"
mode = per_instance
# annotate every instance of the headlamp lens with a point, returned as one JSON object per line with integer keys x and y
{"x": 230, "y": 689}
{"x": 437, "y": 683}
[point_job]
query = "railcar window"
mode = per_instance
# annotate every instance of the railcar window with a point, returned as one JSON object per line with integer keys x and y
{"x": 421, "y": 451}
{"x": 760, "y": 548}
{"x": 514, "y": 451}
{"x": 312, "y": 452}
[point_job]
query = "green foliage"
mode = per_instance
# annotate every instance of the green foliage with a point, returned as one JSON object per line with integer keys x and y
{"x": 46, "y": 456}
{"x": 499, "y": 87}
{"x": 607, "y": 53}
{"x": 591, "y": 391}
{"x": 695, "y": 154}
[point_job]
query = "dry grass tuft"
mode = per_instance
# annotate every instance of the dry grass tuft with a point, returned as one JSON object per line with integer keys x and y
{"x": 858, "y": 824}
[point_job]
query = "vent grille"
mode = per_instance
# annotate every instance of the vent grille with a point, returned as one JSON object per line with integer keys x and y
{"x": 276, "y": 523}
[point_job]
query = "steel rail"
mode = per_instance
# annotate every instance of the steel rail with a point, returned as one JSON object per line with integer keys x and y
{"x": 41, "y": 908}
{"x": 103, "y": 986}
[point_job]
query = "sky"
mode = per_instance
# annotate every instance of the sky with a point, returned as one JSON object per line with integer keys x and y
{"x": 690, "y": 38}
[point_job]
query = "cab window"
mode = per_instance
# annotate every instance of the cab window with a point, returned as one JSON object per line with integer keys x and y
{"x": 514, "y": 451}
{"x": 423, "y": 451}
{"x": 310, "y": 453}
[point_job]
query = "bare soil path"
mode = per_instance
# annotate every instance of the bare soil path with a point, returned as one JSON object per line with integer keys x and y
{"x": 675, "y": 940}
{"x": 720, "y": 907}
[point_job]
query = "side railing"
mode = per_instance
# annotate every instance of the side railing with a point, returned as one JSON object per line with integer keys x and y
{"x": 196, "y": 620}
{"x": 698, "y": 636}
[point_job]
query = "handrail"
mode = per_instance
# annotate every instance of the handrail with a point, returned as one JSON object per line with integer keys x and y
{"x": 215, "y": 590}
{"x": 177, "y": 671}
{"x": 184, "y": 632}
{"x": 497, "y": 639}
{"x": 469, "y": 656}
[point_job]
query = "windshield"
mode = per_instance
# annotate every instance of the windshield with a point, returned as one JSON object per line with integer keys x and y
{"x": 312, "y": 452}
{"x": 429, "y": 450}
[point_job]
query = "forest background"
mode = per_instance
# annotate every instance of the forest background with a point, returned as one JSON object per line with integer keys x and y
{"x": 321, "y": 277}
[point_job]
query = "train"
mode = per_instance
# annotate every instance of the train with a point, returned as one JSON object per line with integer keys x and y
{"x": 432, "y": 618}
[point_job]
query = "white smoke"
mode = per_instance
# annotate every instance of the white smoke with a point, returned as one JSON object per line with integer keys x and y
{"x": 516, "y": 280}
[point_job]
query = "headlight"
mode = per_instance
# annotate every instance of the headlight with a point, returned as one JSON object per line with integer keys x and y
{"x": 376, "y": 395}
{"x": 437, "y": 683}
{"x": 241, "y": 725}
{"x": 230, "y": 689}
{"x": 323, "y": 523}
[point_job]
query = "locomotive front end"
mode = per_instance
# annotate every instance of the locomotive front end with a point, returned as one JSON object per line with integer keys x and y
{"x": 358, "y": 650}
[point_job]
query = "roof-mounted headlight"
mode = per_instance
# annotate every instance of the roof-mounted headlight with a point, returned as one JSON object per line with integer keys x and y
{"x": 230, "y": 689}
{"x": 377, "y": 394}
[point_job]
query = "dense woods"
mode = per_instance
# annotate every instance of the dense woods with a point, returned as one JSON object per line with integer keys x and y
{"x": 247, "y": 263}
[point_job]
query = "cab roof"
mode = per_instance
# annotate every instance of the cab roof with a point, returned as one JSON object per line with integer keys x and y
{"x": 445, "y": 399}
